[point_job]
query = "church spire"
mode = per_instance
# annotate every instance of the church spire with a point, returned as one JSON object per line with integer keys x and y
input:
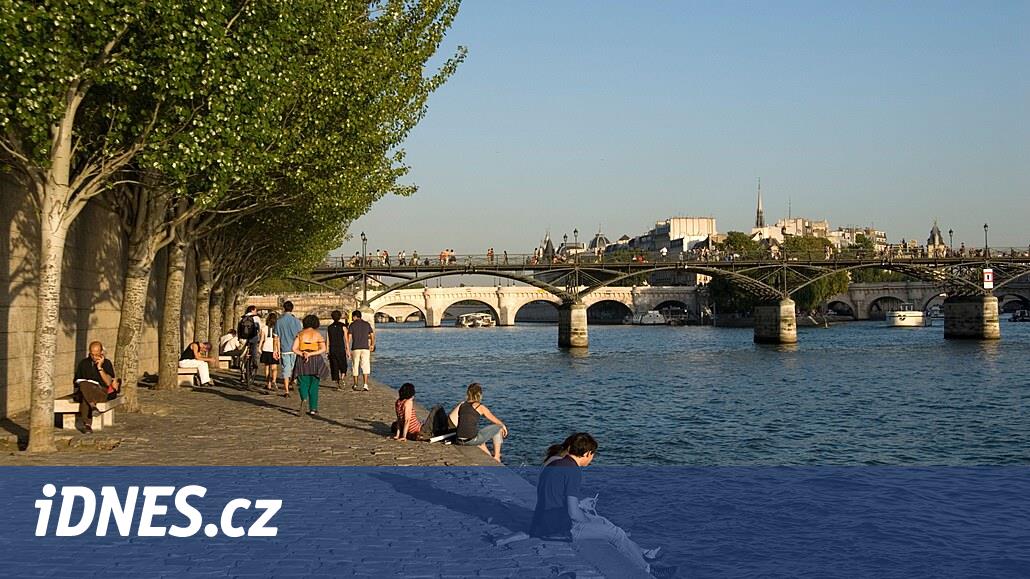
{"x": 759, "y": 214}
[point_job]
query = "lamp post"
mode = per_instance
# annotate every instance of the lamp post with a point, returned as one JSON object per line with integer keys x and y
{"x": 364, "y": 264}
{"x": 951, "y": 240}
{"x": 565, "y": 243}
{"x": 575, "y": 235}
{"x": 987, "y": 248}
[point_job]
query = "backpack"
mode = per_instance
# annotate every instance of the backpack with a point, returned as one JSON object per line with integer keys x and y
{"x": 436, "y": 424}
{"x": 247, "y": 329}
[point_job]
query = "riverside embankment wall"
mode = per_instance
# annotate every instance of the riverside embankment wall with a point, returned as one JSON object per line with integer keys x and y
{"x": 91, "y": 294}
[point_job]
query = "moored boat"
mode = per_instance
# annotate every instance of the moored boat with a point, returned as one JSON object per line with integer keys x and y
{"x": 907, "y": 317}
{"x": 1020, "y": 316}
{"x": 651, "y": 318}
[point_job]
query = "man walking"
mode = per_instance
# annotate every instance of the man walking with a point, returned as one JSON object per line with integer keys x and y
{"x": 362, "y": 343}
{"x": 287, "y": 328}
{"x": 339, "y": 348}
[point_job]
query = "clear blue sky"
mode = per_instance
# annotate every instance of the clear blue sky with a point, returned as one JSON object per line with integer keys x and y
{"x": 616, "y": 114}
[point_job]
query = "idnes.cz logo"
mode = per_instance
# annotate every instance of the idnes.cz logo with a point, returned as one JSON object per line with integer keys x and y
{"x": 82, "y": 501}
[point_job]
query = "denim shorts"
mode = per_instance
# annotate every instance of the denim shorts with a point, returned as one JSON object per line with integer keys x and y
{"x": 288, "y": 360}
{"x": 486, "y": 433}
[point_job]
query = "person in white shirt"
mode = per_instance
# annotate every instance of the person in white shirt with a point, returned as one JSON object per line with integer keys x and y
{"x": 228, "y": 344}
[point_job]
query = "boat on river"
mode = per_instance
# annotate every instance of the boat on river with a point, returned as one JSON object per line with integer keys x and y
{"x": 907, "y": 317}
{"x": 651, "y": 318}
{"x": 1020, "y": 316}
{"x": 477, "y": 320}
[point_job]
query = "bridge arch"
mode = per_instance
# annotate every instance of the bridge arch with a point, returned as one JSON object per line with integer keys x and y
{"x": 842, "y": 306}
{"x": 879, "y": 307}
{"x": 397, "y": 308}
{"x": 553, "y": 303}
{"x": 448, "y": 304}
{"x": 608, "y": 311}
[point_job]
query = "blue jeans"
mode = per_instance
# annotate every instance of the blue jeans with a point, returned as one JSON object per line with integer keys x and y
{"x": 485, "y": 435}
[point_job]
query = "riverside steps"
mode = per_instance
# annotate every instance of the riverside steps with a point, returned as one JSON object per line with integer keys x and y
{"x": 971, "y": 318}
{"x": 776, "y": 323}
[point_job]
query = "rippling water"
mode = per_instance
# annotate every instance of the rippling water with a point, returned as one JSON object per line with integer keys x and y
{"x": 853, "y": 394}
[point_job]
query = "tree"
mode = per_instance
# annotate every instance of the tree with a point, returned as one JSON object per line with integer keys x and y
{"x": 80, "y": 91}
{"x": 742, "y": 244}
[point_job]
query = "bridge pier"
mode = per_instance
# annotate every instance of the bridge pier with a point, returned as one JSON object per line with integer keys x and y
{"x": 776, "y": 323}
{"x": 572, "y": 325}
{"x": 971, "y": 318}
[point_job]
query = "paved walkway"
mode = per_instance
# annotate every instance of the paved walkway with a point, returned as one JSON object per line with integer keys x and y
{"x": 225, "y": 425}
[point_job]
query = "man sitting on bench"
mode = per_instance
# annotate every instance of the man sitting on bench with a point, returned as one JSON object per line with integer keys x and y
{"x": 94, "y": 378}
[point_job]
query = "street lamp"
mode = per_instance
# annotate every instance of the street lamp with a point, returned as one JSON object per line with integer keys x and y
{"x": 565, "y": 243}
{"x": 575, "y": 235}
{"x": 951, "y": 240}
{"x": 987, "y": 248}
{"x": 364, "y": 264}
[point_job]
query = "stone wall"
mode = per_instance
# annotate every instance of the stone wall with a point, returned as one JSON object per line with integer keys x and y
{"x": 91, "y": 293}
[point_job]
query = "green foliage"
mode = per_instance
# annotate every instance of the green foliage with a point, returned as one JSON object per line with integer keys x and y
{"x": 863, "y": 243}
{"x": 729, "y": 297}
{"x": 741, "y": 244}
{"x": 813, "y": 295}
{"x": 878, "y": 276}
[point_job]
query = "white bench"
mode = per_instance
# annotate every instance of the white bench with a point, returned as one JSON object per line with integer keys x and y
{"x": 224, "y": 362}
{"x": 188, "y": 377}
{"x": 68, "y": 409}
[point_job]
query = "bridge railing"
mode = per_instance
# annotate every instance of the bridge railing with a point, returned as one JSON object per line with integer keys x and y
{"x": 537, "y": 261}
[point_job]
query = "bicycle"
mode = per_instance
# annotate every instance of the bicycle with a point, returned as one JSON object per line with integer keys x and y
{"x": 247, "y": 368}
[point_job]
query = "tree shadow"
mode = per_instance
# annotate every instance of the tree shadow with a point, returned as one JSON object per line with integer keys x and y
{"x": 487, "y": 509}
{"x": 19, "y": 250}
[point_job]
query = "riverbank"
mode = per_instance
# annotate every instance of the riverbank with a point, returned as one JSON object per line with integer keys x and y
{"x": 225, "y": 425}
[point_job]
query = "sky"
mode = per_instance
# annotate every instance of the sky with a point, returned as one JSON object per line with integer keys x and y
{"x": 612, "y": 115}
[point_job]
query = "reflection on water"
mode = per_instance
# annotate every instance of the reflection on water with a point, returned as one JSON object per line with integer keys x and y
{"x": 851, "y": 394}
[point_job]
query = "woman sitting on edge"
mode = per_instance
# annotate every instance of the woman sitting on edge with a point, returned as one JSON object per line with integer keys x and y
{"x": 407, "y": 426}
{"x": 466, "y": 416}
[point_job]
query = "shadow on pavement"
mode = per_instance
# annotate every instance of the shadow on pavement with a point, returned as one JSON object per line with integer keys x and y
{"x": 487, "y": 509}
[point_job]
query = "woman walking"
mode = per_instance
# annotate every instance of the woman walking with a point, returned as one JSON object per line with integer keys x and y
{"x": 309, "y": 345}
{"x": 466, "y": 416}
{"x": 270, "y": 351}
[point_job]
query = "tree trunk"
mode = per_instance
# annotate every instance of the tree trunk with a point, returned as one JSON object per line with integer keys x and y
{"x": 204, "y": 285}
{"x": 170, "y": 344}
{"x": 229, "y": 318}
{"x": 130, "y": 328}
{"x": 214, "y": 314}
{"x": 239, "y": 302}
{"x": 53, "y": 232}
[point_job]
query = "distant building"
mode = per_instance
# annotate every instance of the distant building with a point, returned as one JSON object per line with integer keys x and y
{"x": 845, "y": 237}
{"x": 935, "y": 246}
{"x": 684, "y": 230}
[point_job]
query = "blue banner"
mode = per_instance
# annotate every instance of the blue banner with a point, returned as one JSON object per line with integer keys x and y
{"x": 447, "y": 522}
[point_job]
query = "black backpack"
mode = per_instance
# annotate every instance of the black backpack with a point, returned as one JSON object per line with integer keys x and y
{"x": 247, "y": 329}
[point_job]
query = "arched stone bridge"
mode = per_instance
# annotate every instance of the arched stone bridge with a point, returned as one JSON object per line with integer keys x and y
{"x": 507, "y": 301}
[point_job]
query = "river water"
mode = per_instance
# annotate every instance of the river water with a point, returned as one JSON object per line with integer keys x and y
{"x": 852, "y": 394}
